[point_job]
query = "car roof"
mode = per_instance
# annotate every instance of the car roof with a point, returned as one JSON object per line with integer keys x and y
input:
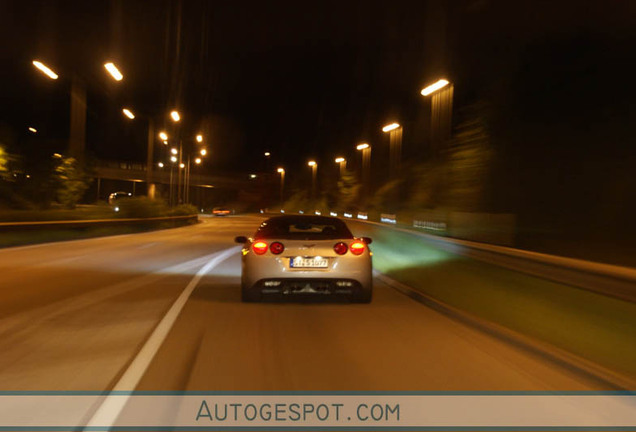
{"x": 292, "y": 219}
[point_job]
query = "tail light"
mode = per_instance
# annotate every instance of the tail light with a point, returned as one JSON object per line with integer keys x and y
{"x": 259, "y": 248}
{"x": 357, "y": 248}
{"x": 340, "y": 248}
{"x": 276, "y": 248}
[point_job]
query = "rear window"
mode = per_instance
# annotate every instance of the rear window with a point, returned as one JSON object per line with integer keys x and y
{"x": 310, "y": 228}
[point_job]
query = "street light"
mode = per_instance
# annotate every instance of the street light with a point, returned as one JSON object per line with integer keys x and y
{"x": 434, "y": 87}
{"x": 281, "y": 171}
{"x": 33, "y": 130}
{"x": 197, "y": 161}
{"x": 113, "y": 71}
{"x": 441, "y": 113}
{"x": 181, "y": 165}
{"x": 77, "y": 131}
{"x": 395, "y": 147}
{"x": 199, "y": 138}
{"x": 390, "y": 127}
{"x": 267, "y": 154}
{"x": 173, "y": 159}
{"x": 128, "y": 113}
{"x": 203, "y": 152}
{"x": 314, "y": 169}
{"x": 175, "y": 116}
{"x": 174, "y": 151}
{"x": 160, "y": 164}
{"x": 343, "y": 165}
{"x": 365, "y": 152}
{"x": 163, "y": 136}
{"x": 45, "y": 69}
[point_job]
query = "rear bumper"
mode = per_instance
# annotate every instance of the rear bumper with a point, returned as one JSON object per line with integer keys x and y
{"x": 307, "y": 286}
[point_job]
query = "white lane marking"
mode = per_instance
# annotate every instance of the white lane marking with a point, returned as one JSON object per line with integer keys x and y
{"x": 147, "y": 245}
{"x": 16, "y": 323}
{"x": 109, "y": 410}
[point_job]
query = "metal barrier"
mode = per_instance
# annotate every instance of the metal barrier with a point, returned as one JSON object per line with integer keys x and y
{"x": 79, "y": 224}
{"x": 607, "y": 279}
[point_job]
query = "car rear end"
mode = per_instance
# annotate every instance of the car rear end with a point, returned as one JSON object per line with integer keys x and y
{"x": 333, "y": 264}
{"x": 221, "y": 211}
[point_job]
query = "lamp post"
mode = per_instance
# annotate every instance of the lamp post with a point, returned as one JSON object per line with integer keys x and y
{"x": 314, "y": 169}
{"x": 281, "y": 171}
{"x": 198, "y": 159}
{"x": 441, "y": 112}
{"x": 395, "y": 147}
{"x": 343, "y": 165}
{"x": 150, "y": 143}
{"x": 173, "y": 159}
{"x": 365, "y": 152}
{"x": 77, "y": 129}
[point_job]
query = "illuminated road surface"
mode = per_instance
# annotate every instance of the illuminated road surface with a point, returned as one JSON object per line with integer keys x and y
{"x": 74, "y": 315}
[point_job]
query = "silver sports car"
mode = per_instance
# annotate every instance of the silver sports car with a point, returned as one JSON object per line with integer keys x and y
{"x": 305, "y": 255}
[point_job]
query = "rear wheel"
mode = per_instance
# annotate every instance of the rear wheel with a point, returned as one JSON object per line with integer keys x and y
{"x": 363, "y": 296}
{"x": 250, "y": 296}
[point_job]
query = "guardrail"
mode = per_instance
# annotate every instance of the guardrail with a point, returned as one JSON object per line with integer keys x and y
{"x": 606, "y": 279}
{"x": 79, "y": 224}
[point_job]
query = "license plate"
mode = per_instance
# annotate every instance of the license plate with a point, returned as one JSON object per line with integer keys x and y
{"x": 299, "y": 262}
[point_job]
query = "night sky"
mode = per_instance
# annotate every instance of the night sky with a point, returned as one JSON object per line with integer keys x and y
{"x": 311, "y": 79}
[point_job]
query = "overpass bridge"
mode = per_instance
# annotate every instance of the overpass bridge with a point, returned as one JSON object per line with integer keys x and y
{"x": 204, "y": 188}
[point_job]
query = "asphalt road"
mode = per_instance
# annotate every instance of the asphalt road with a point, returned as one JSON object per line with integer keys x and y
{"x": 79, "y": 316}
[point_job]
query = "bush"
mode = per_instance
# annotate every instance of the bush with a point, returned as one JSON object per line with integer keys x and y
{"x": 141, "y": 207}
{"x": 183, "y": 210}
{"x": 73, "y": 182}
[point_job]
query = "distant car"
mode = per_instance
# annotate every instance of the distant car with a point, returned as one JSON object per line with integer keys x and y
{"x": 116, "y": 196}
{"x": 305, "y": 256}
{"x": 221, "y": 211}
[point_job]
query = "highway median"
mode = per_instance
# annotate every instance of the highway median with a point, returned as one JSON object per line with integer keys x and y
{"x": 138, "y": 215}
{"x": 588, "y": 324}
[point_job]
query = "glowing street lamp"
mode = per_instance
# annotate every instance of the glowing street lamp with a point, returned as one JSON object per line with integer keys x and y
{"x": 343, "y": 165}
{"x": 434, "y": 87}
{"x": 113, "y": 71}
{"x": 181, "y": 165}
{"x": 390, "y": 127}
{"x": 128, "y": 113}
{"x": 45, "y": 69}
{"x": 33, "y": 130}
{"x": 441, "y": 112}
{"x": 203, "y": 152}
{"x": 163, "y": 136}
{"x": 267, "y": 154}
{"x": 160, "y": 164}
{"x": 314, "y": 169}
{"x": 175, "y": 116}
{"x": 199, "y": 138}
{"x": 365, "y": 152}
{"x": 197, "y": 161}
{"x": 173, "y": 159}
{"x": 395, "y": 147}
{"x": 174, "y": 151}
{"x": 281, "y": 171}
